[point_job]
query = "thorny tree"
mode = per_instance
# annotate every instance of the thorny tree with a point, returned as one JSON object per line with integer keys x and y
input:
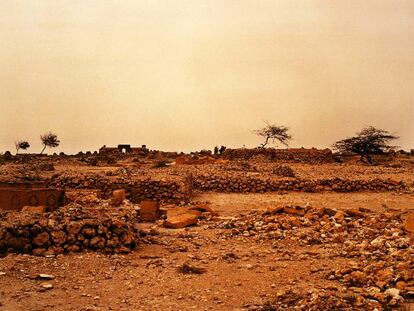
{"x": 21, "y": 144}
{"x": 368, "y": 142}
{"x": 49, "y": 140}
{"x": 273, "y": 133}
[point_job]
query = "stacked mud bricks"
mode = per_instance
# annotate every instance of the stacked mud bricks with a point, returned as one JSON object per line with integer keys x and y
{"x": 16, "y": 196}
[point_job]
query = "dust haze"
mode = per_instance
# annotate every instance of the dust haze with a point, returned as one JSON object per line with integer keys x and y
{"x": 187, "y": 75}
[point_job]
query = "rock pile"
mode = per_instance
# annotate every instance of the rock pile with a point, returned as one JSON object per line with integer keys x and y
{"x": 69, "y": 229}
{"x": 315, "y": 300}
{"x": 377, "y": 248}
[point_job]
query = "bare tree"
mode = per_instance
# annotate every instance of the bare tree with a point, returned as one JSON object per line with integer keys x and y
{"x": 216, "y": 150}
{"x": 368, "y": 142}
{"x": 21, "y": 144}
{"x": 49, "y": 140}
{"x": 273, "y": 133}
{"x": 222, "y": 149}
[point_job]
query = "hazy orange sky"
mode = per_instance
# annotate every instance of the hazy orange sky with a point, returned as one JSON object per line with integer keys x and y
{"x": 191, "y": 74}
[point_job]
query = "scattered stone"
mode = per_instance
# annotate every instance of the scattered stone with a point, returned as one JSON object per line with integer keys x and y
{"x": 45, "y": 276}
{"x": 46, "y": 286}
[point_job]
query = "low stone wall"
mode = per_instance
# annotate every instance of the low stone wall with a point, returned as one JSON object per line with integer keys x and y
{"x": 69, "y": 229}
{"x": 168, "y": 191}
{"x": 250, "y": 184}
{"x": 287, "y": 155}
{"x": 161, "y": 191}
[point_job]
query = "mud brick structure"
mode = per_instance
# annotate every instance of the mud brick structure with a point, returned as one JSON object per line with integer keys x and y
{"x": 122, "y": 148}
{"x": 14, "y": 197}
{"x": 300, "y": 155}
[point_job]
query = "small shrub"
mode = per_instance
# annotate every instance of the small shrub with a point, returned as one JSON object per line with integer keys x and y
{"x": 7, "y": 156}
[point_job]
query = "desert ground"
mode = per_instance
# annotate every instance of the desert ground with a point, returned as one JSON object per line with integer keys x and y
{"x": 261, "y": 235}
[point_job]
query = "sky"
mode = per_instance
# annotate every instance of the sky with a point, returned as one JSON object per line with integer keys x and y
{"x": 185, "y": 75}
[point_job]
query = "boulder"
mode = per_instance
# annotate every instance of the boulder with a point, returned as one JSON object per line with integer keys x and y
{"x": 181, "y": 221}
{"x": 182, "y": 210}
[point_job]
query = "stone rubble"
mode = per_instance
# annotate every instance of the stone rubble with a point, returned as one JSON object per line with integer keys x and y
{"x": 379, "y": 253}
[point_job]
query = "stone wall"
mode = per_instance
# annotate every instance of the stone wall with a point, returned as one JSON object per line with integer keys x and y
{"x": 250, "y": 184}
{"x": 301, "y": 155}
{"x": 69, "y": 229}
{"x": 173, "y": 190}
{"x": 161, "y": 191}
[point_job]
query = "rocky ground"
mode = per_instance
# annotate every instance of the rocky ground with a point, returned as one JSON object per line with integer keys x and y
{"x": 263, "y": 252}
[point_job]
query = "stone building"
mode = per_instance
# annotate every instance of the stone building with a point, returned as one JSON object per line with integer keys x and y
{"x": 123, "y": 148}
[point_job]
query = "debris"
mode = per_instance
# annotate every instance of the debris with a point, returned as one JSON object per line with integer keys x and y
{"x": 46, "y": 286}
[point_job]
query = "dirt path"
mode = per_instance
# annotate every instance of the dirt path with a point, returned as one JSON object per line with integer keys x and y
{"x": 235, "y": 203}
